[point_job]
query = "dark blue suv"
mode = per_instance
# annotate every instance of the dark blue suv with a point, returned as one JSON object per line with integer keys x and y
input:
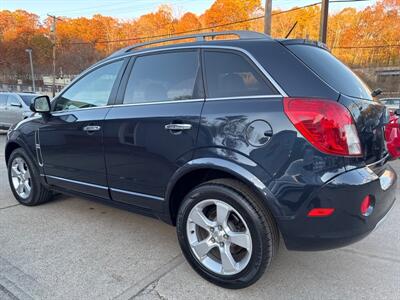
{"x": 236, "y": 142}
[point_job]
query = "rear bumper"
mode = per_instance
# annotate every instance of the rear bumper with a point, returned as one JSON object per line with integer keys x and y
{"x": 346, "y": 225}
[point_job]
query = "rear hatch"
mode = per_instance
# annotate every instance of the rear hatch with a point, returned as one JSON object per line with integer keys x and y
{"x": 370, "y": 116}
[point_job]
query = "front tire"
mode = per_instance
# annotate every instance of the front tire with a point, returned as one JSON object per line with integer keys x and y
{"x": 24, "y": 179}
{"x": 227, "y": 235}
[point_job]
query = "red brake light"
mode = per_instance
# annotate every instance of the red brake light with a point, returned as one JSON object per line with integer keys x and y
{"x": 326, "y": 124}
{"x": 320, "y": 212}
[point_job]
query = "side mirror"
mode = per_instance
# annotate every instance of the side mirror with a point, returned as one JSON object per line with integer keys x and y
{"x": 41, "y": 104}
{"x": 397, "y": 112}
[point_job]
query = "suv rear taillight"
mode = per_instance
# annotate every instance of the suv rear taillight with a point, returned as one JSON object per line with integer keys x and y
{"x": 326, "y": 124}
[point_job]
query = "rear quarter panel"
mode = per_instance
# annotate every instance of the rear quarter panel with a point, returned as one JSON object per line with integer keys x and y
{"x": 287, "y": 164}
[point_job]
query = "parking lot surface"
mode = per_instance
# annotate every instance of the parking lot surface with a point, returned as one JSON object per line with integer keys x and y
{"x": 73, "y": 248}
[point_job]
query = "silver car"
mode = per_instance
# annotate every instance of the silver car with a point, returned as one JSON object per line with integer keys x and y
{"x": 14, "y": 107}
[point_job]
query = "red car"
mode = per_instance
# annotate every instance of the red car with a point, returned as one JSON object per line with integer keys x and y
{"x": 392, "y": 136}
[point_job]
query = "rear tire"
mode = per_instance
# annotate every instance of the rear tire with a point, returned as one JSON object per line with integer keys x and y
{"x": 237, "y": 226}
{"x": 24, "y": 179}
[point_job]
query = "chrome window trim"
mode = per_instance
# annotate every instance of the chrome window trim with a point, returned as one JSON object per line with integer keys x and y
{"x": 160, "y": 102}
{"x": 137, "y": 194}
{"x": 61, "y": 112}
{"x": 244, "y": 97}
{"x": 245, "y": 52}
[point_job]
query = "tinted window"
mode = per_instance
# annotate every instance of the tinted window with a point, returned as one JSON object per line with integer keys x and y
{"x": 231, "y": 75}
{"x": 92, "y": 90}
{"x": 332, "y": 71}
{"x": 28, "y": 98}
{"x": 3, "y": 100}
{"x": 164, "y": 77}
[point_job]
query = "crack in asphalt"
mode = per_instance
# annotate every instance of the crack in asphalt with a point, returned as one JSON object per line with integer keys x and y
{"x": 151, "y": 290}
{"x": 141, "y": 286}
{"x": 7, "y": 292}
{"x": 370, "y": 255}
{"x": 1, "y": 208}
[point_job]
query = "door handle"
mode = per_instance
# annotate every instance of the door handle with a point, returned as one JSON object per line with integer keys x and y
{"x": 91, "y": 128}
{"x": 178, "y": 127}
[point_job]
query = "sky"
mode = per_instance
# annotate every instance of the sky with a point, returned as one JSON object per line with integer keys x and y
{"x": 130, "y": 9}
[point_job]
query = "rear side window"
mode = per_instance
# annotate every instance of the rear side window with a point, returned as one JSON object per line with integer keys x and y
{"x": 27, "y": 98}
{"x": 231, "y": 75}
{"x": 332, "y": 71}
{"x": 164, "y": 77}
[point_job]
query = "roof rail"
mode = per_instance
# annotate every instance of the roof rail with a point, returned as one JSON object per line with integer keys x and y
{"x": 242, "y": 34}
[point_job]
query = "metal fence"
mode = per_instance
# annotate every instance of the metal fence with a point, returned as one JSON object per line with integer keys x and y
{"x": 22, "y": 88}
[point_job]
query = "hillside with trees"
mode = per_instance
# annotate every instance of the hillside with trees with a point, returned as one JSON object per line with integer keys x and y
{"x": 368, "y": 37}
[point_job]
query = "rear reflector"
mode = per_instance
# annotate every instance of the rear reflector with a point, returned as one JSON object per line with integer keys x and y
{"x": 326, "y": 124}
{"x": 366, "y": 206}
{"x": 320, "y": 212}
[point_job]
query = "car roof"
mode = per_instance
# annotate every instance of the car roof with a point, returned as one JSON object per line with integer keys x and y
{"x": 182, "y": 45}
{"x": 20, "y": 93}
{"x": 197, "y": 37}
{"x": 226, "y": 43}
{"x": 211, "y": 38}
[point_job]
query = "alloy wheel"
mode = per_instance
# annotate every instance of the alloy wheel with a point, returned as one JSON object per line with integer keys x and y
{"x": 219, "y": 237}
{"x": 21, "y": 177}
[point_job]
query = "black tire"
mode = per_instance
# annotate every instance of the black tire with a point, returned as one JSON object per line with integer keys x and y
{"x": 261, "y": 224}
{"x": 38, "y": 194}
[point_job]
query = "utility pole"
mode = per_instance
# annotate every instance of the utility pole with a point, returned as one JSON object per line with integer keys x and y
{"x": 32, "y": 74}
{"x": 323, "y": 27}
{"x": 53, "y": 31}
{"x": 268, "y": 17}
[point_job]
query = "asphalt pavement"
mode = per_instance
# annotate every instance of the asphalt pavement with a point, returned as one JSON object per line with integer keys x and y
{"x": 73, "y": 248}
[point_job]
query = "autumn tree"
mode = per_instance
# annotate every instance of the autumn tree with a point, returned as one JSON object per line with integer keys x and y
{"x": 230, "y": 11}
{"x": 352, "y": 34}
{"x": 189, "y": 21}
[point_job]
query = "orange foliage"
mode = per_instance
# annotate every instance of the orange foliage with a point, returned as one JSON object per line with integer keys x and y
{"x": 82, "y": 41}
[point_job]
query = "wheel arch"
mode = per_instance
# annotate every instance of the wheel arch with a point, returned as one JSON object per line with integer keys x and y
{"x": 204, "y": 169}
{"x": 10, "y": 147}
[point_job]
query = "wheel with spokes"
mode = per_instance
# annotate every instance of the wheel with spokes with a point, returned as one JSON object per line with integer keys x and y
{"x": 21, "y": 177}
{"x": 226, "y": 233}
{"x": 24, "y": 179}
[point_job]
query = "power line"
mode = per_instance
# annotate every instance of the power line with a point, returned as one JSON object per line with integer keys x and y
{"x": 121, "y": 8}
{"x": 193, "y": 30}
{"x": 366, "y": 47}
{"x": 344, "y": 1}
{"x": 206, "y": 28}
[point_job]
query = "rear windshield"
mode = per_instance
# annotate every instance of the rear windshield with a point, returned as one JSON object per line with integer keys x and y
{"x": 332, "y": 71}
{"x": 27, "y": 98}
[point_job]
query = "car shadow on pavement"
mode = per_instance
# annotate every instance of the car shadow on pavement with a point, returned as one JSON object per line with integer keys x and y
{"x": 102, "y": 251}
